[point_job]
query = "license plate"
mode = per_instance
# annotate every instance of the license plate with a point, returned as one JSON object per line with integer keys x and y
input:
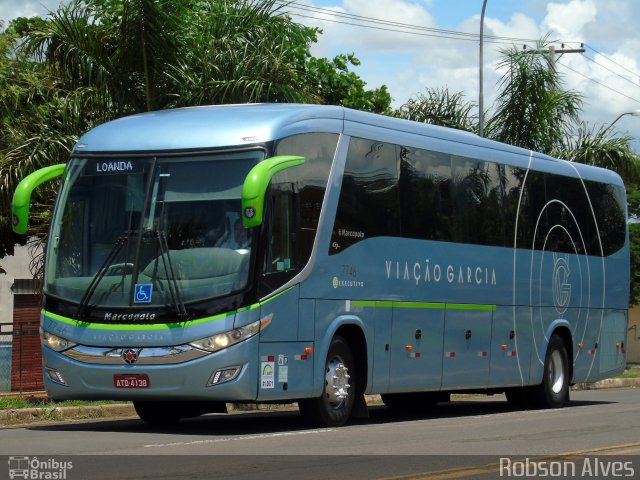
{"x": 131, "y": 381}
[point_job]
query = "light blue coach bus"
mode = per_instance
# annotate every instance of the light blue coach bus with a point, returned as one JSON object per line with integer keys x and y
{"x": 280, "y": 253}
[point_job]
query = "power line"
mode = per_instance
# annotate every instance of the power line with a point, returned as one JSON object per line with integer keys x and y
{"x": 611, "y": 71}
{"x": 599, "y": 83}
{"x": 612, "y": 61}
{"x": 361, "y": 21}
{"x": 406, "y": 28}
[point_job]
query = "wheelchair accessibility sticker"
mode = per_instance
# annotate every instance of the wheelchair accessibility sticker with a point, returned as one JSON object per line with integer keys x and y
{"x": 143, "y": 293}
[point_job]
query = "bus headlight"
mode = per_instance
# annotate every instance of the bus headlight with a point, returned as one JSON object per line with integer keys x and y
{"x": 55, "y": 342}
{"x": 226, "y": 339}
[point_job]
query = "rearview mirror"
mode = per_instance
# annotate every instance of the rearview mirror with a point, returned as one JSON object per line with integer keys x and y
{"x": 256, "y": 183}
{"x": 22, "y": 195}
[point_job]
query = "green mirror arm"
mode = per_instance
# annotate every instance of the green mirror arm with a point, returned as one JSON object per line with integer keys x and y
{"x": 22, "y": 195}
{"x": 256, "y": 183}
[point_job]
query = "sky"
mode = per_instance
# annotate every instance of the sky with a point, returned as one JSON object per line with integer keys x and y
{"x": 607, "y": 74}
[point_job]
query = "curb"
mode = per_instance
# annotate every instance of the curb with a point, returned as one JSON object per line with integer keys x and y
{"x": 609, "y": 383}
{"x": 26, "y": 415}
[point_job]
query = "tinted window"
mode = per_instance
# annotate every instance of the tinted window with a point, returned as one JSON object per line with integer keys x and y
{"x": 609, "y": 206}
{"x": 425, "y": 194}
{"x": 431, "y": 195}
{"x": 369, "y": 203}
{"x": 307, "y": 182}
{"x": 478, "y": 190}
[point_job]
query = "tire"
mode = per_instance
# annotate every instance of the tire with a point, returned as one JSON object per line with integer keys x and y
{"x": 333, "y": 408}
{"x": 553, "y": 392}
{"x": 157, "y": 413}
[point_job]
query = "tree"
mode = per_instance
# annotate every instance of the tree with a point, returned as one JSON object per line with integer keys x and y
{"x": 333, "y": 83}
{"x": 120, "y": 50}
{"x": 600, "y": 147}
{"x": 440, "y": 107}
{"x": 35, "y": 125}
{"x": 532, "y": 110}
{"x": 241, "y": 51}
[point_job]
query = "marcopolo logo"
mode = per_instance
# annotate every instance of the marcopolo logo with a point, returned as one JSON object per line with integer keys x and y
{"x": 35, "y": 468}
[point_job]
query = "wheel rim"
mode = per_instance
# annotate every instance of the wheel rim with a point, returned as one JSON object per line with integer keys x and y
{"x": 556, "y": 372}
{"x": 337, "y": 382}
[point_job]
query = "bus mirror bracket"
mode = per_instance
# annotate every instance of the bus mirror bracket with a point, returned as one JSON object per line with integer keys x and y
{"x": 22, "y": 195}
{"x": 255, "y": 186}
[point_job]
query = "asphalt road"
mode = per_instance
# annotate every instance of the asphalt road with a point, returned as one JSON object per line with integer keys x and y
{"x": 464, "y": 439}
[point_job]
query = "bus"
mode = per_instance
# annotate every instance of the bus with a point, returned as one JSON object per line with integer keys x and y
{"x": 280, "y": 253}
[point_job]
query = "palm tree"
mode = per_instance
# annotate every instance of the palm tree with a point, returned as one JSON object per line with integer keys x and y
{"x": 439, "y": 107}
{"x": 242, "y": 51}
{"x": 601, "y": 148}
{"x": 532, "y": 110}
{"x": 118, "y": 49}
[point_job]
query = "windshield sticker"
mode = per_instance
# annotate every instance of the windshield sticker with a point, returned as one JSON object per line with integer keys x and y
{"x": 283, "y": 368}
{"x": 143, "y": 293}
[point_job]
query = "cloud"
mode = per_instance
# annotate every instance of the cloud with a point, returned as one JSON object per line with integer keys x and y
{"x": 569, "y": 20}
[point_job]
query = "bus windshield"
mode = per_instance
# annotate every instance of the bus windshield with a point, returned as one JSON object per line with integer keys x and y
{"x": 150, "y": 231}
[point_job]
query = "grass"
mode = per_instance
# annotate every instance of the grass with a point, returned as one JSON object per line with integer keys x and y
{"x": 17, "y": 402}
{"x": 632, "y": 371}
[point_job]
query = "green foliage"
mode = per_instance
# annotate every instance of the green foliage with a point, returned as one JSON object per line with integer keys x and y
{"x": 598, "y": 147}
{"x": 333, "y": 84}
{"x": 532, "y": 110}
{"x": 237, "y": 51}
{"x": 439, "y": 107}
{"x": 121, "y": 54}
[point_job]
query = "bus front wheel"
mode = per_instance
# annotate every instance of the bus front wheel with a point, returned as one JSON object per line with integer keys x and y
{"x": 157, "y": 413}
{"x": 333, "y": 407}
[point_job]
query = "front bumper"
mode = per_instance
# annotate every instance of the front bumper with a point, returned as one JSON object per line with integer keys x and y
{"x": 187, "y": 380}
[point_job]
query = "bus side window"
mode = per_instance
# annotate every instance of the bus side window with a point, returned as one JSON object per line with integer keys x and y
{"x": 280, "y": 255}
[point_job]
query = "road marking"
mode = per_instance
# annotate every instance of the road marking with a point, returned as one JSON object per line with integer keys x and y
{"x": 491, "y": 468}
{"x": 235, "y": 439}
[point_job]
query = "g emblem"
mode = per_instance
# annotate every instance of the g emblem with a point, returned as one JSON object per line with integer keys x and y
{"x": 561, "y": 284}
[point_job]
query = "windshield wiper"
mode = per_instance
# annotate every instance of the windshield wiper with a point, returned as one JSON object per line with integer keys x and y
{"x": 172, "y": 282}
{"x": 99, "y": 275}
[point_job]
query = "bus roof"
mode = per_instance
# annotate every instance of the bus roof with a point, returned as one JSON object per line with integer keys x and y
{"x": 211, "y": 127}
{"x": 208, "y": 127}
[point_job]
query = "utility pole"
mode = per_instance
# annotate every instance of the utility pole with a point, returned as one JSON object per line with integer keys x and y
{"x": 481, "y": 80}
{"x": 553, "y": 51}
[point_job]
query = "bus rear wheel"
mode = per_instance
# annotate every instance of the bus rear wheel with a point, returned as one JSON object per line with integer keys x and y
{"x": 333, "y": 408}
{"x": 553, "y": 392}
